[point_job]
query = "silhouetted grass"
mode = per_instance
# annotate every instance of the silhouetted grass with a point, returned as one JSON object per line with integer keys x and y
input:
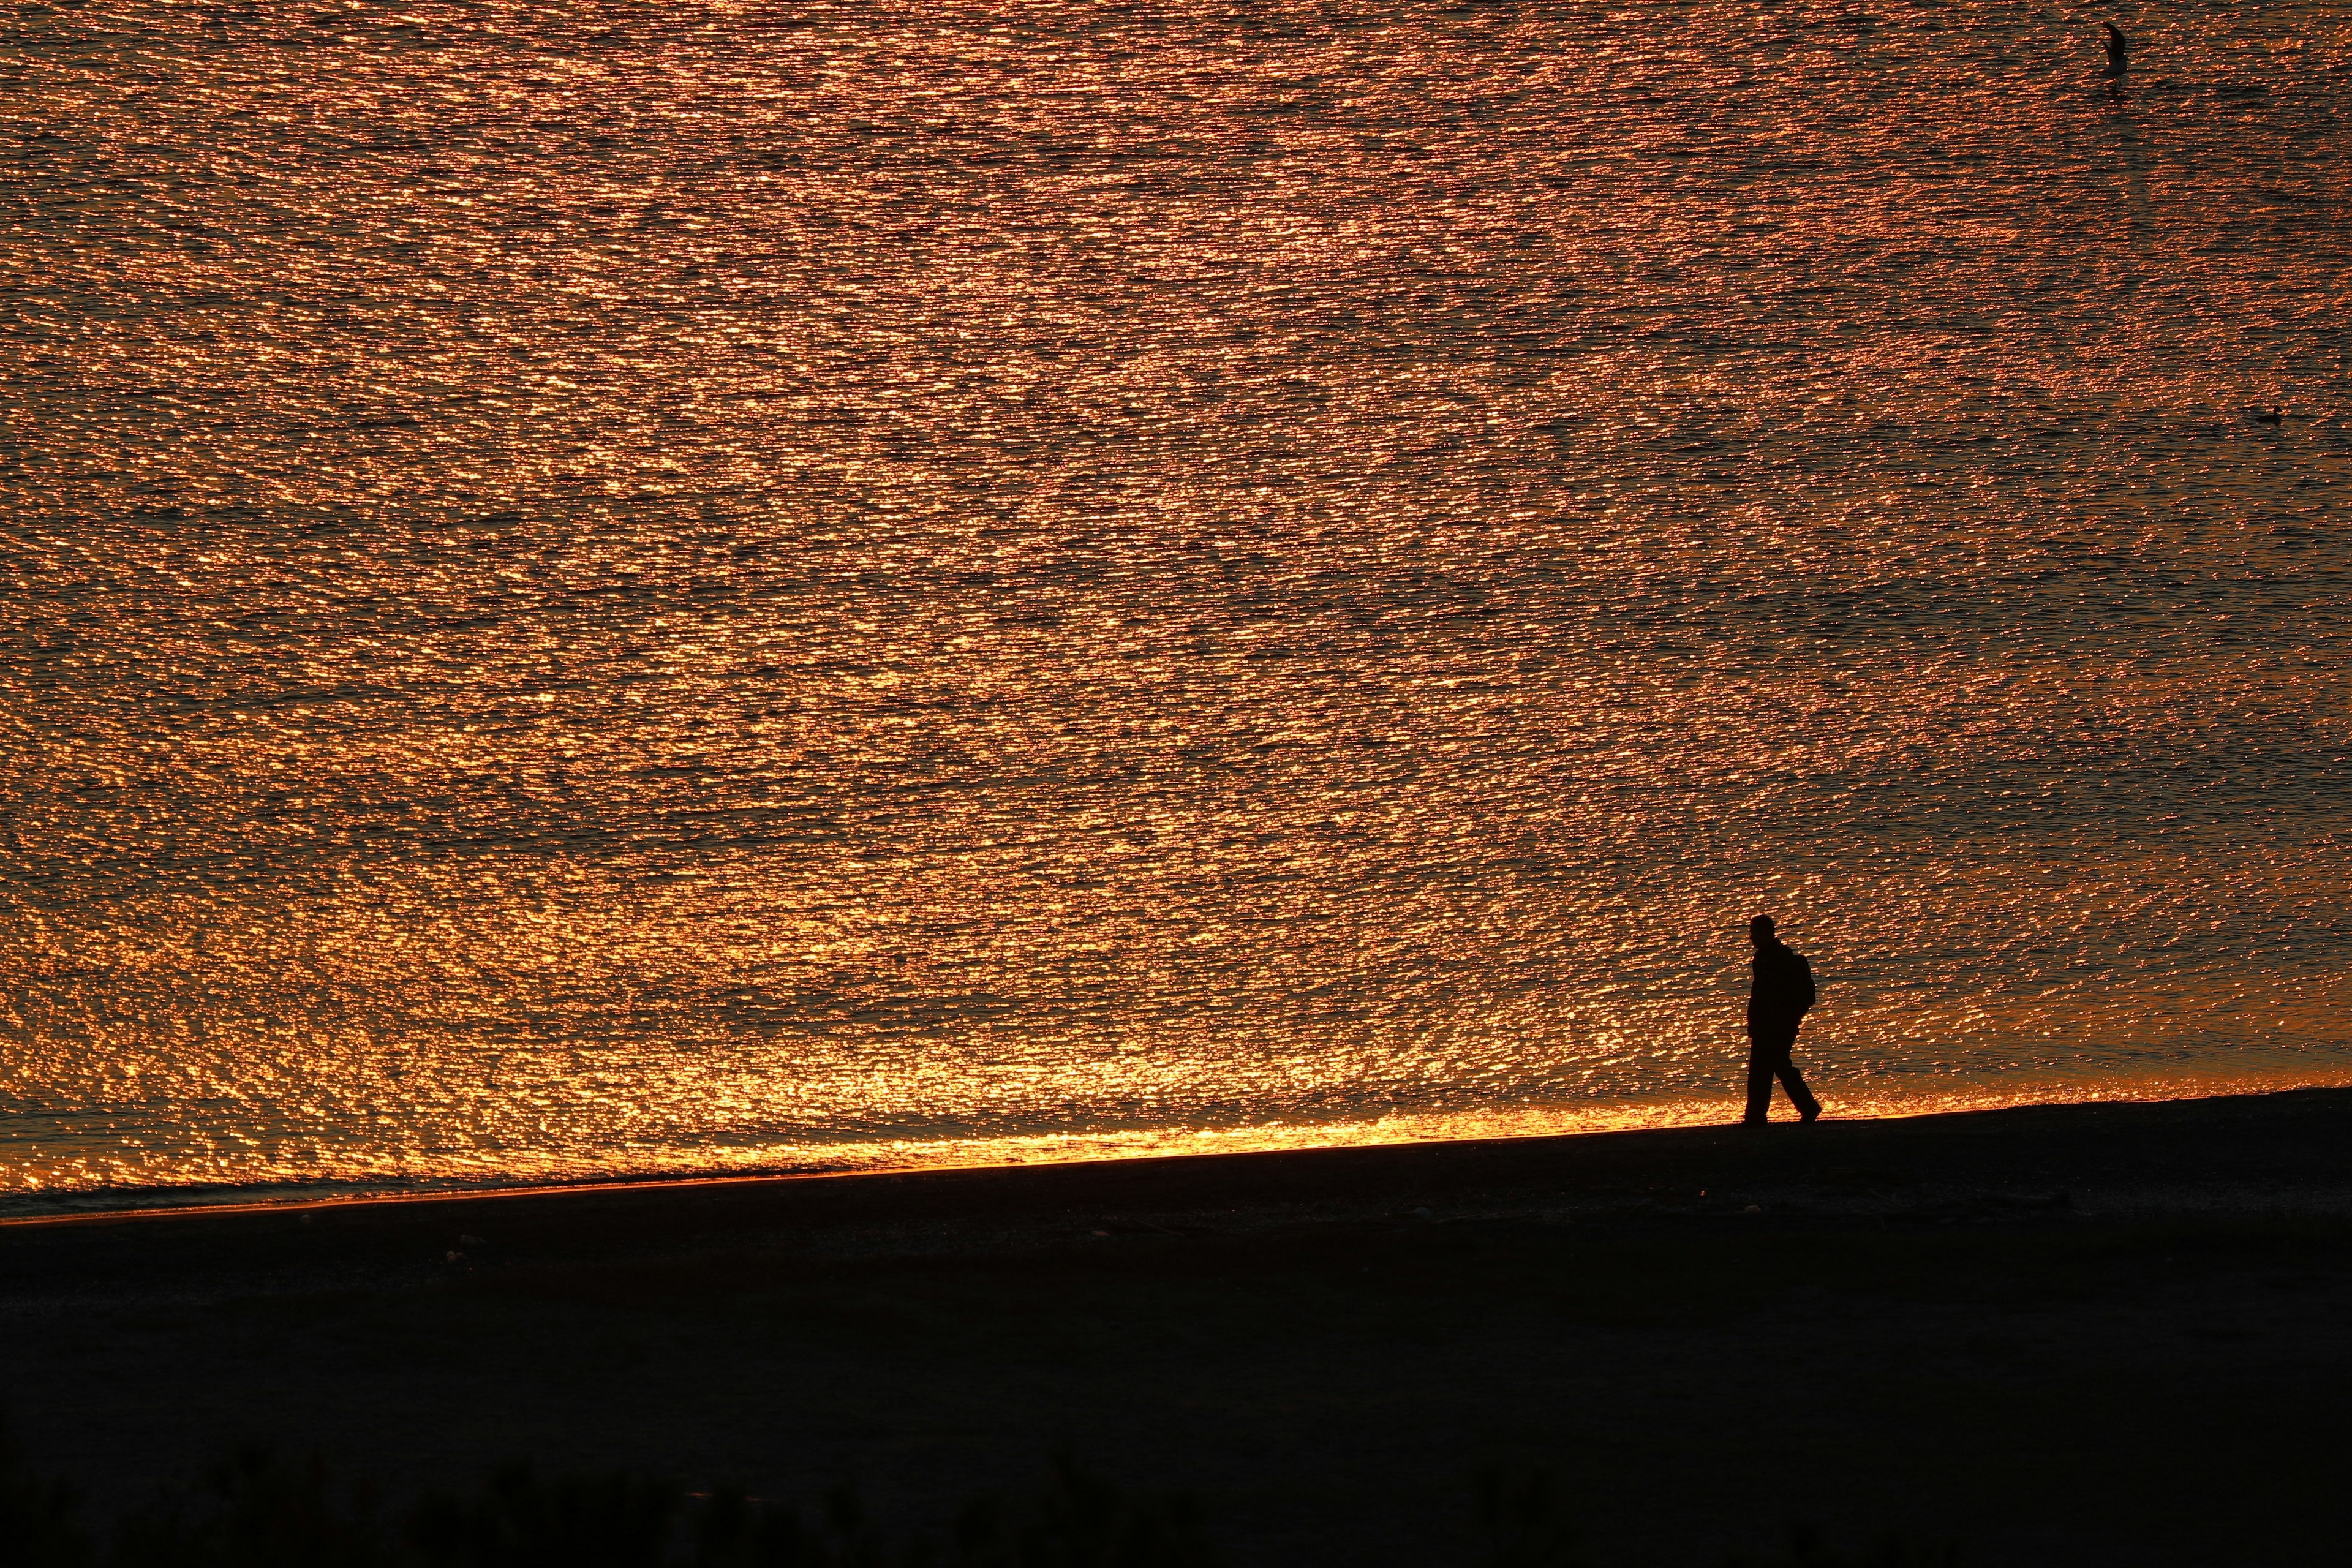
{"x": 1520, "y": 1518}
{"x": 257, "y": 1510}
{"x": 37, "y": 1523}
{"x": 1807, "y": 1549}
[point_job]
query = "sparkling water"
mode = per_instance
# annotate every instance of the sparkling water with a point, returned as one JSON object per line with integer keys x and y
{"x": 603, "y": 588}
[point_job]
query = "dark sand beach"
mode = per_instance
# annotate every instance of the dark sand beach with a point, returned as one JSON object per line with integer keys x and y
{"x": 2070, "y": 1334}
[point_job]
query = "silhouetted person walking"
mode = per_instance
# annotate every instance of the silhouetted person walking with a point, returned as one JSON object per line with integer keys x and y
{"x": 1777, "y": 1000}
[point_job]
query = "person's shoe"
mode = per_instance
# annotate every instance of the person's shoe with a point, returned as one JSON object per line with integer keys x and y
{"x": 1809, "y": 1117}
{"x": 1755, "y": 1121}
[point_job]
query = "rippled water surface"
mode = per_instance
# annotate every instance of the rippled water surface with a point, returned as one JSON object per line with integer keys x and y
{"x": 616, "y": 588}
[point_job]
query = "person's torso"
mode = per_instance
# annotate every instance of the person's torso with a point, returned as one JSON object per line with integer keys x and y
{"x": 1783, "y": 981}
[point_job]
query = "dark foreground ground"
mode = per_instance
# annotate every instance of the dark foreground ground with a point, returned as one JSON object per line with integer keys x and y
{"x": 2090, "y": 1334}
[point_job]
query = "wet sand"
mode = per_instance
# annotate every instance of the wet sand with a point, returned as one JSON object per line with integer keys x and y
{"x": 2055, "y": 1334}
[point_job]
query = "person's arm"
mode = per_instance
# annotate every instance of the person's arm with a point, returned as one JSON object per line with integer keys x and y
{"x": 1805, "y": 977}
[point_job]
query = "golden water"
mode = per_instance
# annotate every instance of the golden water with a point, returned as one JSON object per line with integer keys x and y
{"x": 615, "y": 588}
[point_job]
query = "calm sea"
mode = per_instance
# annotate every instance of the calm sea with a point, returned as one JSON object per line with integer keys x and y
{"x": 608, "y": 588}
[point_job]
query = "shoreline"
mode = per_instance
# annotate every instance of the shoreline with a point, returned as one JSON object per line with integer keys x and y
{"x": 137, "y": 1204}
{"x": 2102, "y": 1156}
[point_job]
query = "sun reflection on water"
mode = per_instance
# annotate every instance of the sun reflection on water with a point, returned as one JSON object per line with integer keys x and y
{"x": 613, "y": 589}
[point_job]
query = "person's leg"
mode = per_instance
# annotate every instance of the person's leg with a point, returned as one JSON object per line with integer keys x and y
{"x": 1799, "y": 1096}
{"x": 1760, "y": 1076}
{"x": 1793, "y": 1081}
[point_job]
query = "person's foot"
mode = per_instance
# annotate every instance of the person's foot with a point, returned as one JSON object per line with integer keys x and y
{"x": 1809, "y": 1117}
{"x": 1755, "y": 1121}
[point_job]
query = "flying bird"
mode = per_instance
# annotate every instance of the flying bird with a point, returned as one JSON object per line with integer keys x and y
{"x": 2118, "y": 46}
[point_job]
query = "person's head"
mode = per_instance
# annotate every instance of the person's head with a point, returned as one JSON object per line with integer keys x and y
{"x": 1760, "y": 928}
